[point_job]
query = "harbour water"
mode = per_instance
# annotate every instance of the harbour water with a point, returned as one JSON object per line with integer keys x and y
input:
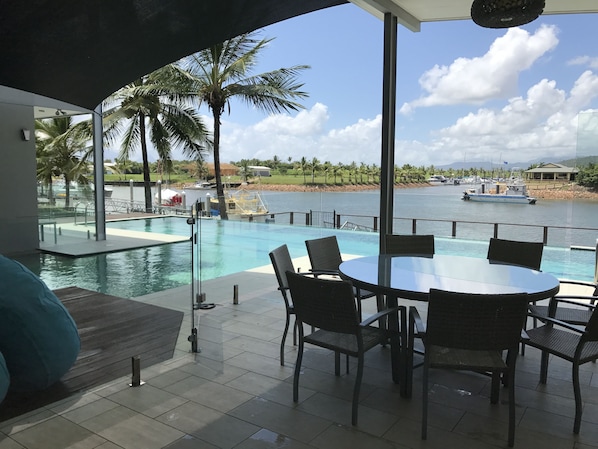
{"x": 436, "y": 203}
{"x": 229, "y": 247}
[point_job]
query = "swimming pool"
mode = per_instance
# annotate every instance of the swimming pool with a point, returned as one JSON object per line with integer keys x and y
{"x": 228, "y": 247}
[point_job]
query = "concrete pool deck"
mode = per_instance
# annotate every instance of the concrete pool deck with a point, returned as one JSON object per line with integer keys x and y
{"x": 235, "y": 394}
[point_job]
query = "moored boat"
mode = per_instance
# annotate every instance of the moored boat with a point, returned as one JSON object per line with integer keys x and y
{"x": 242, "y": 204}
{"x": 437, "y": 180}
{"x": 515, "y": 192}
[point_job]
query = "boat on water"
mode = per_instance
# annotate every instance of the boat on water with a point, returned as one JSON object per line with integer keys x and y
{"x": 169, "y": 198}
{"x": 515, "y": 193}
{"x": 242, "y": 204}
{"x": 437, "y": 180}
{"x": 201, "y": 185}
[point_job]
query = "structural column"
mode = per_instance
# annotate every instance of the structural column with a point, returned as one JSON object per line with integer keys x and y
{"x": 389, "y": 100}
{"x": 98, "y": 178}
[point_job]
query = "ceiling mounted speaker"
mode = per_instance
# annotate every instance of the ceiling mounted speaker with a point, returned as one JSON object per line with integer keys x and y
{"x": 505, "y": 13}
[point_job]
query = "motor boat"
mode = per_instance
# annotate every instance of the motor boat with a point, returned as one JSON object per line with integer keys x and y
{"x": 516, "y": 193}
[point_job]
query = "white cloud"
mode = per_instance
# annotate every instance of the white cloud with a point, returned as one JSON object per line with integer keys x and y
{"x": 493, "y": 75}
{"x": 591, "y": 62}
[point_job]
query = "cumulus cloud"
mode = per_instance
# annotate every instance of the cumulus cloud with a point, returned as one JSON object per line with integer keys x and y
{"x": 493, "y": 75}
{"x": 541, "y": 124}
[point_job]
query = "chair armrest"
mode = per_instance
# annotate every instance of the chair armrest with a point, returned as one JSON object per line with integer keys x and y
{"x": 581, "y": 283}
{"x": 551, "y": 320}
{"x": 524, "y": 336}
{"x": 331, "y": 272}
{"x": 369, "y": 320}
{"x": 415, "y": 318}
{"x": 576, "y": 301}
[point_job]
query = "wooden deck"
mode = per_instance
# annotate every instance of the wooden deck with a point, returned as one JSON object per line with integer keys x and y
{"x": 112, "y": 331}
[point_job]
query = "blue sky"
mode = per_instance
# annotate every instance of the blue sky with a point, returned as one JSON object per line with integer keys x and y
{"x": 465, "y": 93}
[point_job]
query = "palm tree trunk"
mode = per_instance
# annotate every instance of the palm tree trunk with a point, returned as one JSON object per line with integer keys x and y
{"x": 219, "y": 186}
{"x": 146, "y": 171}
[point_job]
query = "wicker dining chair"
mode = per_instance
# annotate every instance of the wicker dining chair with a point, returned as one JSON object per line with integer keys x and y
{"x": 513, "y": 252}
{"x": 409, "y": 244}
{"x": 282, "y": 262}
{"x": 470, "y": 332}
{"x": 329, "y": 306}
{"x": 325, "y": 258}
{"x": 568, "y": 342}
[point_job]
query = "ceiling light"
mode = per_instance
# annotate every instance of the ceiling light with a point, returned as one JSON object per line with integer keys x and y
{"x": 505, "y": 13}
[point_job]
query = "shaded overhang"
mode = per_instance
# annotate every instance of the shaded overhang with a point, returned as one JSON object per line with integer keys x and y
{"x": 412, "y": 13}
{"x": 81, "y": 51}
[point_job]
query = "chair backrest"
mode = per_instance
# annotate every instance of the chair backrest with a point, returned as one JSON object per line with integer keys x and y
{"x": 324, "y": 253}
{"x": 282, "y": 262}
{"x": 475, "y": 321}
{"x": 323, "y": 303}
{"x": 512, "y": 252}
{"x": 409, "y": 244}
{"x": 591, "y": 330}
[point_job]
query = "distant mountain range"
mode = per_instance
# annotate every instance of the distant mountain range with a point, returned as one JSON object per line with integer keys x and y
{"x": 580, "y": 162}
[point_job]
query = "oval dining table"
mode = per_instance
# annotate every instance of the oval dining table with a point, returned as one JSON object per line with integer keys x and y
{"x": 412, "y": 278}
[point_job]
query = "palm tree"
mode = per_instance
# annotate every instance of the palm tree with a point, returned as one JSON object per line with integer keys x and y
{"x": 315, "y": 166}
{"x": 62, "y": 150}
{"x": 304, "y": 166}
{"x": 159, "y": 104}
{"x": 221, "y": 72}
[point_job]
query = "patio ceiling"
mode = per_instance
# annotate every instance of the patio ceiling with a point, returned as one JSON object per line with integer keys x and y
{"x": 80, "y": 51}
{"x": 412, "y": 13}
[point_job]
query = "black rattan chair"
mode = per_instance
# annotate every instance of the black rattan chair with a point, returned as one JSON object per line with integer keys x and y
{"x": 282, "y": 262}
{"x": 567, "y": 342}
{"x": 329, "y": 306}
{"x": 470, "y": 332}
{"x": 513, "y": 252}
{"x": 325, "y": 258}
{"x": 410, "y": 245}
{"x": 576, "y": 312}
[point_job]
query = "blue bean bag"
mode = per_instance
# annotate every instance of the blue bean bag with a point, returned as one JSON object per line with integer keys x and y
{"x": 4, "y": 378}
{"x": 38, "y": 337}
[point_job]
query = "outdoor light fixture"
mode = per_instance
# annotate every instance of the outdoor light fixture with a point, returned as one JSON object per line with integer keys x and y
{"x": 505, "y": 13}
{"x": 25, "y": 134}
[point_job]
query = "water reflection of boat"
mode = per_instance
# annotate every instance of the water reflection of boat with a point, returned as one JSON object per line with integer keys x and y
{"x": 242, "y": 204}
{"x": 79, "y": 191}
{"x": 516, "y": 192}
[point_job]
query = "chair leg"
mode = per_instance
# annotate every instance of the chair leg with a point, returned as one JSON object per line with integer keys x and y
{"x": 425, "y": 402}
{"x": 298, "y": 367}
{"x": 577, "y": 394}
{"x": 337, "y": 363}
{"x": 284, "y": 338}
{"x": 511, "y": 377}
{"x": 544, "y": 367}
{"x": 357, "y": 388}
{"x": 495, "y": 387}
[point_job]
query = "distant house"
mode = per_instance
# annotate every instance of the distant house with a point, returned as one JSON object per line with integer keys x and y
{"x": 552, "y": 172}
{"x": 259, "y": 170}
{"x": 225, "y": 169}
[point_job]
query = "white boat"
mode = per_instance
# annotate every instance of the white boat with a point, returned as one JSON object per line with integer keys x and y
{"x": 169, "y": 198}
{"x": 201, "y": 185}
{"x": 437, "y": 180}
{"x": 516, "y": 193}
{"x": 242, "y": 204}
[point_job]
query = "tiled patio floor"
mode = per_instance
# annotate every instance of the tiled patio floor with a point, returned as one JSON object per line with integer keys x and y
{"x": 235, "y": 394}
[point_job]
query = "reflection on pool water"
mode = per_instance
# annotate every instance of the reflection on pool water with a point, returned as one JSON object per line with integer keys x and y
{"x": 228, "y": 247}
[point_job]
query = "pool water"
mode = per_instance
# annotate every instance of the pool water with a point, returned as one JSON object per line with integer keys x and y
{"x": 227, "y": 247}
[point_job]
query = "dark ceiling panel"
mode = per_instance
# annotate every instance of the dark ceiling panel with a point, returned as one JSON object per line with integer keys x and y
{"x": 81, "y": 51}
